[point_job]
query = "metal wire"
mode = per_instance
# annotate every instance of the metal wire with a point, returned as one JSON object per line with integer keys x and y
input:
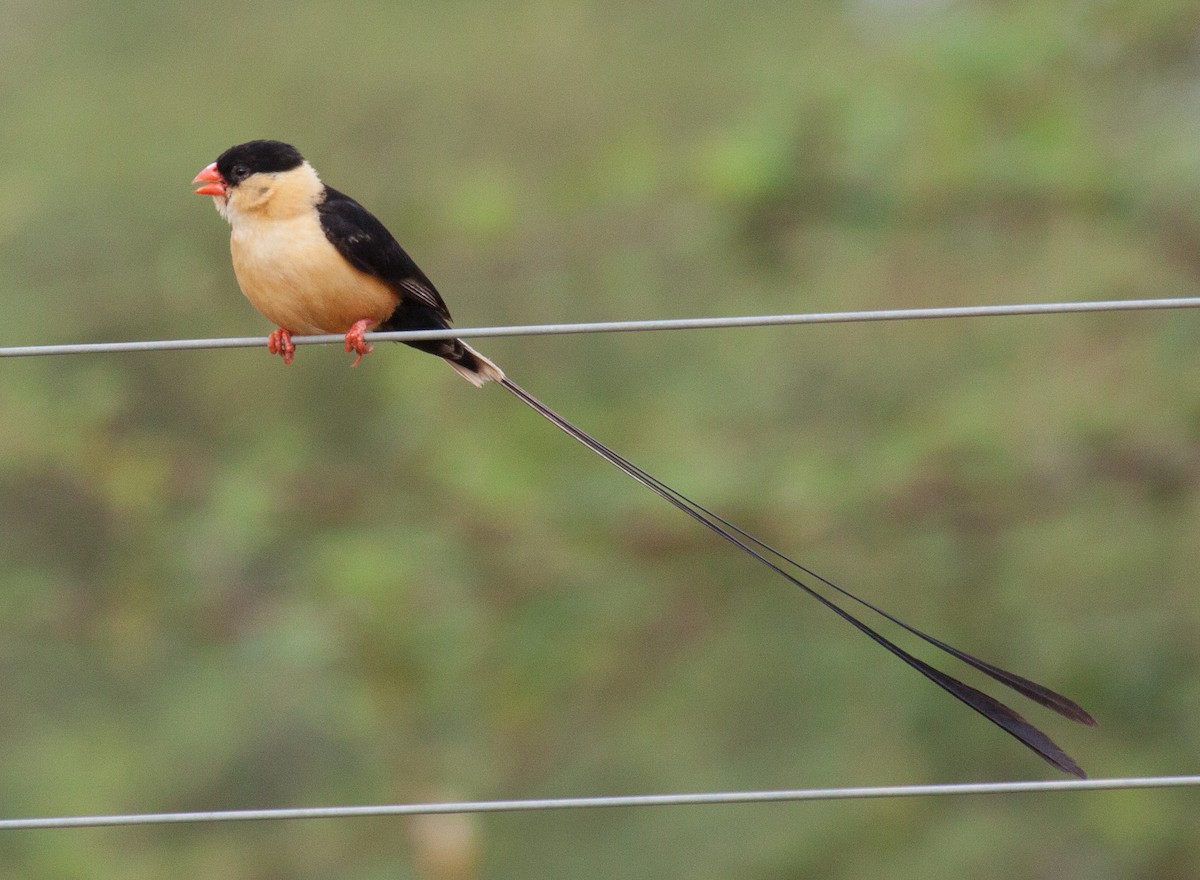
{"x": 705, "y": 798}
{"x": 653, "y": 800}
{"x": 1128, "y": 305}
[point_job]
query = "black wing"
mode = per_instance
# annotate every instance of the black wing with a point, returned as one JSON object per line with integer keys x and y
{"x": 369, "y": 247}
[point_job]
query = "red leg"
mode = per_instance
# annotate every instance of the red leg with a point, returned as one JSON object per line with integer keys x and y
{"x": 355, "y": 341}
{"x": 280, "y": 343}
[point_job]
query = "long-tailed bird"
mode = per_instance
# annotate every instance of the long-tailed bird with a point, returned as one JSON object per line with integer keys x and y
{"x": 313, "y": 260}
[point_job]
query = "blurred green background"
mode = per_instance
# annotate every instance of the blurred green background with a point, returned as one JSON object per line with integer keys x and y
{"x": 227, "y": 584}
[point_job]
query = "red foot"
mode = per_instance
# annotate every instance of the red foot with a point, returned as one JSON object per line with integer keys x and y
{"x": 280, "y": 343}
{"x": 355, "y": 341}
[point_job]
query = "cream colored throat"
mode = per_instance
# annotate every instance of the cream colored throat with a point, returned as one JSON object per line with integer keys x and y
{"x": 274, "y": 196}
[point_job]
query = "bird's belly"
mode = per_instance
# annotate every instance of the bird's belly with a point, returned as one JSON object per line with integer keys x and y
{"x": 297, "y": 279}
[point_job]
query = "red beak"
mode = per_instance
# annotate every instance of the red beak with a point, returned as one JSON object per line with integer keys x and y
{"x": 214, "y": 183}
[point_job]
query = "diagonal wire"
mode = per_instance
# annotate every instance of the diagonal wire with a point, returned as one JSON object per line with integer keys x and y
{"x": 1061, "y": 308}
{"x": 650, "y": 800}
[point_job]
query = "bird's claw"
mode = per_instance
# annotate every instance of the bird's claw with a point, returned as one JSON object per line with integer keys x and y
{"x": 280, "y": 343}
{"x": 355, "y": 341}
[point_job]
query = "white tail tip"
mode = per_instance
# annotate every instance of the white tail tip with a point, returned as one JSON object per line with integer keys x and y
{"x": 485, "y": 371}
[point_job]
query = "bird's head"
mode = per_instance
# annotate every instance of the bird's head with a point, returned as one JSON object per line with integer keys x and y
{"x": 249, "y": 177}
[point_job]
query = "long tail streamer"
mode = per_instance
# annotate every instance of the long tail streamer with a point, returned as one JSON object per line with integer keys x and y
{"x": 995, "y": 711}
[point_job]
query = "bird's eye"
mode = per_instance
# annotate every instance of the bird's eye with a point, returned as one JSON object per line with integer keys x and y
{"x": 239, "y": 172}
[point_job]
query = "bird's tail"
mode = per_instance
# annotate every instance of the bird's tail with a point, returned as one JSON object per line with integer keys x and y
{"x": 466, "y": 361}
{"x": 479, "y": 369}
{"x": 473, "y": 366}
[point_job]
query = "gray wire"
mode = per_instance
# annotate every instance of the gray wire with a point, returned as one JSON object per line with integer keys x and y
{"x": 709, "y": 798}
{"x": 1127, "y": 305}
{"x": 652, "y": 800}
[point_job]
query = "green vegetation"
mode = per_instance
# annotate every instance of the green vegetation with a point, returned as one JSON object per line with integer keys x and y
{"x": 227, "y": 584}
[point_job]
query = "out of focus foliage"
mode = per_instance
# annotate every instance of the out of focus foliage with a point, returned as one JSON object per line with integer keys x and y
{"x": 227, "y": 584}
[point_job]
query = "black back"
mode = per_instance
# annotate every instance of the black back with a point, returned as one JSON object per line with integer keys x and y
{"x": 367, "y": 245}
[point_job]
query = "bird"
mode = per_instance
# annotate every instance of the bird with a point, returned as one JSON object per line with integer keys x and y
{"x": 313, "y": 260}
